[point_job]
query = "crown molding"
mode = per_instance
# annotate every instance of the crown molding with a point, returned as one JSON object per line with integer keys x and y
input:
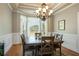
{"x": 56, "y": 6}
{"x": 62, "y": 9}
{"x": 66, "y": 7}
{"x": 23, "y": 13}
{"x": 10, "y": 7}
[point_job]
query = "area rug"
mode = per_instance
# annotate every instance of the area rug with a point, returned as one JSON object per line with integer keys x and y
{"x": 29, "y": 53}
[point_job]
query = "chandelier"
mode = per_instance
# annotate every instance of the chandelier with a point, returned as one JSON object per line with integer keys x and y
{"x": 43, "y": 12}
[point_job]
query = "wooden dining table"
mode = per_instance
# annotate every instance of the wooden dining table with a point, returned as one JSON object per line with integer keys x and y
{"x": 32, "y": 41}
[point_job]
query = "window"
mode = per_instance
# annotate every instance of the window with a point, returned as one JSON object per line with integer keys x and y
{"x": 23, "y": 24}
{"x": 31, "y": 25}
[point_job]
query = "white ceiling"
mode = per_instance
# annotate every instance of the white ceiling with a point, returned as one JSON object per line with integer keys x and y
{"x": 30, "y": 8}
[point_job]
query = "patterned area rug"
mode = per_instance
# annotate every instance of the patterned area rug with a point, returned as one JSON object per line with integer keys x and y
{"x": 29, "y": 53}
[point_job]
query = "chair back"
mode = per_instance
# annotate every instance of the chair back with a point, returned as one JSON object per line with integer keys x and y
{"x": 37, "y": 35}
{"x": 23, "y": 43}
{"x": 58, "y": 45}
{"x": 23, "y": 39}
{"x": 47, "y": 45}
{"x": 59, "y": 36}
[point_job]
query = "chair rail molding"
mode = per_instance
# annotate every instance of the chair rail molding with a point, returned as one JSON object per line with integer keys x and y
{"x": 10, "y": 7}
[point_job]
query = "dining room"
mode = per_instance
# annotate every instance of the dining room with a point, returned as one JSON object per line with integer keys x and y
{"x": 35, "y": 29}
{"x": 39, "y": 29}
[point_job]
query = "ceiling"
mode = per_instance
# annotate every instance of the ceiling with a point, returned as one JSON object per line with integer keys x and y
{"x": 30, "y": 8}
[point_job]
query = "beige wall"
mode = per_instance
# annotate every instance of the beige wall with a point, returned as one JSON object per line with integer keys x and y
{"x": 50, "y": 24}
{"x": 78, "y": 23}
{"x": 70, "y": 17}
{"x": 70, "y": 35}
{"x": 15, "y": 22}
{"x": 5, "y": 26}
{"x": 5, "y": 19}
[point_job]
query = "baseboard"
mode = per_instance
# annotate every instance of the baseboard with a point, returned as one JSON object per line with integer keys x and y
{"x": 71, "y": 51}
{"x": 6, "y": 54}
{"x": 17, "y": 44}
{"x": 15, "y": 50}
{"x": 9, "y": 40}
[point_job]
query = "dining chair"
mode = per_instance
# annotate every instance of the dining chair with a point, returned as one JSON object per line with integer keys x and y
{"x": 37, "y": 35}
{"x": 1, "y": 49}
{"x": 26, "y": 47}
{"x": 23, "y": 43}
{"x": 47, "y": 46}
{"x": 58, "y": 37}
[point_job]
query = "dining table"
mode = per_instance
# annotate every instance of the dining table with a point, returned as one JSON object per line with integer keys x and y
{"x": 32, "y": 41}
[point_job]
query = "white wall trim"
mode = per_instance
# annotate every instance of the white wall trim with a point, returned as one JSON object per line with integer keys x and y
{"x": 7, "y": 40}
{"x": 10, "y": 7}
{"x": 57, "y": 6}
{"x": 16, "y": 38}
{"x": 71, "y": 41}
{"x": 65, "y": 8}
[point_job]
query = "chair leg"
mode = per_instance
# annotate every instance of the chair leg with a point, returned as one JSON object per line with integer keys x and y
{"x": 54, "y": 52}
{"x": 33, "y": 53}
{"x": 23, "y": 53}
{"x": 60, "y": 51}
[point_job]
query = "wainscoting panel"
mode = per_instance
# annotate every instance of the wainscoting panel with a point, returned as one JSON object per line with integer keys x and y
{"x": 77, "y": 44}
{"x": 7, "y": 40}
{"x": 71, "y": 41}
{"x": 16, "y": 38}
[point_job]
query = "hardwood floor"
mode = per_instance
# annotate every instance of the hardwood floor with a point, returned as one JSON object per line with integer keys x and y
{"x": 69, "y": 52}
{"x": 16, "y": 50}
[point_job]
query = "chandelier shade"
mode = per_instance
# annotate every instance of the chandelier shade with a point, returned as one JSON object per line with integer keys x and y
{"x": 43, "y": 12}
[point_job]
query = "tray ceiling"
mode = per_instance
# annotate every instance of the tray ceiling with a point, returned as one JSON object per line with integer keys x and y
{"x": 30, "y": 8}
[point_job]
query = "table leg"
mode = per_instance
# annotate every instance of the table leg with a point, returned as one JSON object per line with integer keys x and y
{"x": 60, "y": 49}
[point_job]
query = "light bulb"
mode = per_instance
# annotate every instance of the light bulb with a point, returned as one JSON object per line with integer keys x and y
{"x": 50, "y": 11}
{"x": 39, "y": 9}
{"x": 46, "y": 7}
{"x": 44, "y": 10}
